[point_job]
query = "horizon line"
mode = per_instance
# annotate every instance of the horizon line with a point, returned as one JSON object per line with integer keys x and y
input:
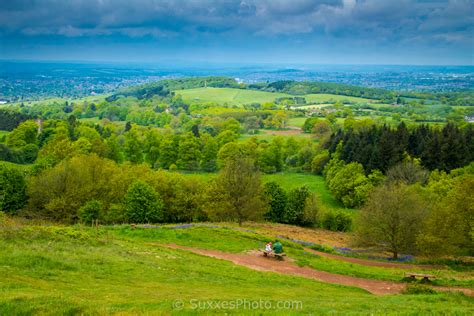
{"x": 288, "y": 64}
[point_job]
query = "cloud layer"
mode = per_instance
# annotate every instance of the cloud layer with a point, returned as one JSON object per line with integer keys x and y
{"x": 444, "y": 27}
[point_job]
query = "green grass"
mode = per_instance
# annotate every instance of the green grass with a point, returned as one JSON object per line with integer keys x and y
{"x": 228, "y": 95}
{"x": 73, "y": 270}
{"x": 296, "y": 121}
{"x": 290, "y": 181}
{"x": 314, "y": 183}
{"x": 268, "y": 135}
{"x": 240, "y": 96}
{"x": 330, "y": 98}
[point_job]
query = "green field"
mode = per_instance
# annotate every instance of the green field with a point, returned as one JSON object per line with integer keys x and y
{"x": 314, "y": 183}
{"x": 114, "y": 270}
{"x": 289, "y": 181}
{"x": 228, "y": 95}
{"x": 90, "y": 99}
{"x": 268, "y": 135}
{"x": 331, "y": 98}
{"x": 297, "y": 121}
{"x": 233, "y": 96}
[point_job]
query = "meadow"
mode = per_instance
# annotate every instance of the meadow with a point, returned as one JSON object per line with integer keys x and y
{"x": 232, "y": 96}
{"x": 116, "y": 270}
{"x": 322, "y": 98}
{"x": 228, "y": 96}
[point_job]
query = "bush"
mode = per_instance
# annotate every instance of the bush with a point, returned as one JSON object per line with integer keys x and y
{"x": 296, "y": 205}
{"x": 143, "y": 204}
{"x": 115, "y": 214}
{"x": 90, "y": 211}
{"x": 277, "y": 200}
{"x": 337, "y": 221}
{"x": 311, "y": 210}
{"x": 12, "y": 189}
{"x": 319, "y": 162}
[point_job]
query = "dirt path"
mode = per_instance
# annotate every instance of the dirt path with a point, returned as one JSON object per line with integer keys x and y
{"x": 256, "y": 261}
{"x": 372, "y": 263}
{"x": 332, "y": 238}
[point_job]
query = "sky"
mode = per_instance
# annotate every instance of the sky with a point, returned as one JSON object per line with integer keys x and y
{"x": 424, "y": 32}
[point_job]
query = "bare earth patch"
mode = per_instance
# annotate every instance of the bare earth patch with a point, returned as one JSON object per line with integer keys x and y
{"x": 314, "y": 235}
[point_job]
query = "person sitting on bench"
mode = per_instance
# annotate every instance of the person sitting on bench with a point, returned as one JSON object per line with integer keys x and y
{"x": 268, "y": 248}
{"x": 277, "y": 247}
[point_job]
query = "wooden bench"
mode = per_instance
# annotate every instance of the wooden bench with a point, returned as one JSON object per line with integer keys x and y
{"x": 425, "y": 277}
{"x": 278, "y": 256}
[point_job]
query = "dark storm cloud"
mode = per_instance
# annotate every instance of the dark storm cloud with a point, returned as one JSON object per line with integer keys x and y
{"x": 381, "y": 23}
{"x": 406, "y": 19}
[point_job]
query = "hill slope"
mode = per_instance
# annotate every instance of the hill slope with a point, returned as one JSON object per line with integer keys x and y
{"x": 77, "y": 270}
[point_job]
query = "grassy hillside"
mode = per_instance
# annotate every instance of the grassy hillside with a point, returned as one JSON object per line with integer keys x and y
{"x": 228, "y": 95}
{"x": 315, "y": 183}
{"x": 289, "y": 181}
{"x": 234, "y": 96}
{"x": 331, "y": 98}
{"x": 116, "y": 270}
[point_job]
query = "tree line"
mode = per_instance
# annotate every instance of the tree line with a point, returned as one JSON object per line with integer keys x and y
{"x": 382, "y": 147}
{"x": 202, "y": 144}
{"x": 79, "y": 189}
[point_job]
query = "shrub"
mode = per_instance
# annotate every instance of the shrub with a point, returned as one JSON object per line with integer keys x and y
{"x": 337, "y": 221}
{"x": 90, "y": 211}
{"x": 173, "y": 167}
{"x": 115, "y": 214}
{"x": 277, "y": 200}
{"x": 312, "y": 209}
{"x": 296, "y": 205}
{"x": 12, "y": 189}
{"x": 319, "y": 162}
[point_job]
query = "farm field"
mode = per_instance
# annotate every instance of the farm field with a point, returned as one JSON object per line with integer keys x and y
{"x": 233, "y": 96}
{"x": 268, "y": 135}
{"x": 297, "y": 121}
{"x": 326, "y": 98}
{"x": 228, "y": 95}
{"x": 52, "y": 268}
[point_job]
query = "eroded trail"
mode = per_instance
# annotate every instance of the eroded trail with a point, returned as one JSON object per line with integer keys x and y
{"x": 256, "y": 261}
